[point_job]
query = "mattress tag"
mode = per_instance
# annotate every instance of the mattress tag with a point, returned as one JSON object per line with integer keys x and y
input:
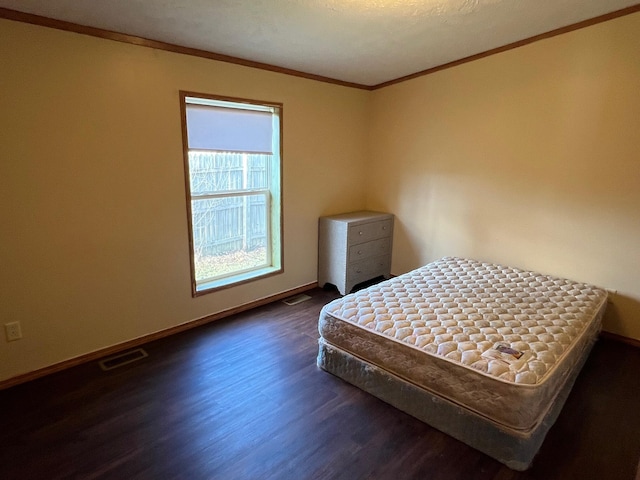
{"x": 502, "y": 352}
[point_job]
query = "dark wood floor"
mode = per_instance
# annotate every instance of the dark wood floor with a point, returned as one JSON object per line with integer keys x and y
{"x": 242, "y": 398}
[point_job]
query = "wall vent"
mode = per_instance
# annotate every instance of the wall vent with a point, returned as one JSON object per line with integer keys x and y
{"x": 121, "y": 359}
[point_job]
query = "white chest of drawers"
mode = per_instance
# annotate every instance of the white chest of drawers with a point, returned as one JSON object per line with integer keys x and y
{"x": 354, "y": 247}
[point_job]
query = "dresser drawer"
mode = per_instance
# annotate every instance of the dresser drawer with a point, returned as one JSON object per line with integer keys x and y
{"x": 369, "y": 231}
{"x": 374, "y": 248}
{"x": 369, "y": 268}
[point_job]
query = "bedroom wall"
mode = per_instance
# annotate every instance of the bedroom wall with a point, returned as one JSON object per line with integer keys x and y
{"x": 92, "y": 202}
{"x": 529, "y": 158}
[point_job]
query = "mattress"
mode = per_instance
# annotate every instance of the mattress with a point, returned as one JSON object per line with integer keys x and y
{"x": 438, "y": 327}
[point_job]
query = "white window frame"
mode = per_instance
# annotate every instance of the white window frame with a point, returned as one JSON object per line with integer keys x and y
{"x": 273, "y": 193}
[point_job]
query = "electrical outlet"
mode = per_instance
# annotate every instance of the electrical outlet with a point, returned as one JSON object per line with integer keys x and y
{"x": 12, "y": 331}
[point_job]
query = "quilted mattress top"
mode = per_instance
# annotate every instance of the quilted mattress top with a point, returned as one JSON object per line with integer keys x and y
{"x": 459, "y": 309}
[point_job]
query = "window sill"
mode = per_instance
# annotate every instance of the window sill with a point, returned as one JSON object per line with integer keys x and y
{"x": 226, "y": 282}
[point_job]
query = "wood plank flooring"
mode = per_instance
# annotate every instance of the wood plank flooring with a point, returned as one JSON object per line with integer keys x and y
{"x": 242, "y": 398}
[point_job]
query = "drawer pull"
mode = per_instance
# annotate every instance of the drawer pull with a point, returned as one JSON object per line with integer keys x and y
{"x": 360, "y": 232}
{"x": 384, "y": 228}
{"x": 359, "y": 252}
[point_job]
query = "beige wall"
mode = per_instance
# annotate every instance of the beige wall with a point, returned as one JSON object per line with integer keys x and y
{"x": 530, "y": 157}
{"x": 92, "y": 211}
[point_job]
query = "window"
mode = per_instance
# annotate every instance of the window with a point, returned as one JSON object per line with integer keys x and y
{"x": 233, "y": 181}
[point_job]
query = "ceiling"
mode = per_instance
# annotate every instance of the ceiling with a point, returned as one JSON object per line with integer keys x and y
{"x": 366, "y": 42}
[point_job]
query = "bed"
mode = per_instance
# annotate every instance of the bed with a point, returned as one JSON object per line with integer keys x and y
{"x": 485, "y": 353}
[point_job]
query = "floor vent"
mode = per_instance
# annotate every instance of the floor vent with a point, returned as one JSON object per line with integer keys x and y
{"x": 122, "y": 359}
{"x": 296, "y": 299}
